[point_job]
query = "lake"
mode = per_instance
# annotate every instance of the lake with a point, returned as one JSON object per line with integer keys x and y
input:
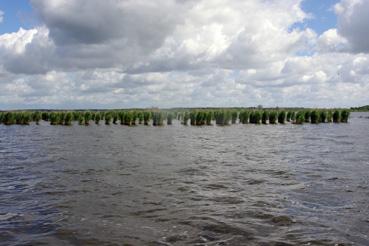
{"x": 182, "y": 185}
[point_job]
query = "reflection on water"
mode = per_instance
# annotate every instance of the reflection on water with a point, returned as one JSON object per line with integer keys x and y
{"x": 177, "y": 185}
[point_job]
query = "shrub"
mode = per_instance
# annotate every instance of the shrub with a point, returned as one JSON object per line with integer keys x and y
{"x": 336, "y": 116}
{"x": 300, "y": 118}
{"x": 140, "y": 117}
{"x": 169, "y": 118}
{"x": 45, "y": 116}
{"x": 115, "y": 117}
{"x": 209, "y": 117}
{"x": 307, "y": 116}
{"x": 54, "y": 118}
{"x": 234, "y": 117}
{"x": 330, "y": 116}
{"x": 255, "y": 117}
{"x": 81, "y": 119}
{"x": 345, "y": 116}
{"x": 186, "y": 117}
{"x": 323, "y": 116}
{"x": 244, "y": 117}
{"x": 158, "y": 119}
{"x": 281, "y": 117}
{"x": 9, "y": 118}
{"x": 107, "y": 118}
{"x": 87, "y": 117}
{"x": 146, "y": 116}
{"x": 265, "y": 117}
{"x": 314, "y": 117}
{"x": 97, "y": 118}
{"x": 273, "y": 117}
{"x": 36, "y": 117}
{"x": 68, "y": 119}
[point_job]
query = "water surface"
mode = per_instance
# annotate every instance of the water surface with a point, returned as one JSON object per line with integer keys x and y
{"x": 178, "y": 185}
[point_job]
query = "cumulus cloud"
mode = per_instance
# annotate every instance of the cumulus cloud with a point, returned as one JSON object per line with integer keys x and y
{"x": 1, "y": 16}
{"x": 353, "y": 21}
{"x": 168, "y": 53}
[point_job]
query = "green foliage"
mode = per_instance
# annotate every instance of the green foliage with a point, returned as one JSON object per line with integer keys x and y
{"x": 273, "y": 117}
{"x": 281, "y": 117}
{"x": 255, "y": 117}
{"x": 115, "y": 117}
{"x": 345, "y": 116}
{"x": 45, "y": 116}
{"x": 147, "y": 117}
{"x": 330, "y": 116}
{"x": 209, "y": 118}
{"x": 9, "y": 118}
{"x": 170, "y": 118}
{"x": 244, "y": 117}
{"x": 54, "y": 118}
{"x": 36, "y": 117}
{"x": 265, "y": 117}
{"x": 108, "y": 118}
{"x": 97, "y": 118}
{"x": 307, "y": 116}
{"x": 87, "y": 117}
{"x": 186, "y": 117}
{"x": 234, "y": 117}
{"x": 323, "y": 116}
{"x": 158, "y": 119}
{"x": 68, "y": 119}
{"x": 314, "y": 117}
{"x": 336, "y": 116}
{"x": 300, "y": 117}
{"x": 222, "y": 117}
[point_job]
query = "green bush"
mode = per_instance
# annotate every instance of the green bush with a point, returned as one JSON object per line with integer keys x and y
{"x": 281, "y": 117}
{"x": 323, "y": 116}
{"x": 307, "y": 116}
{"x": 87, "y": 117}
{"x": 265, "y": 117}
{"x": 36, "y": 117}
{"x": 68, "y": 119}
{"x": 108, "y": 118}
{"x": 345, "y": 116}
{"x": 300, "y": 118}
{"x": 169, "y": 119}
{"x": 314, "y": 117}
{"x": 97, "y": 118}
{"x": 336, "y": 116}
{"x": 54, "y": 118}
{"x": 273, "y": 117}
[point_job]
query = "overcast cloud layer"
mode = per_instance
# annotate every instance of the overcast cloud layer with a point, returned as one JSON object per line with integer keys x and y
{"x": 169, "y": 53}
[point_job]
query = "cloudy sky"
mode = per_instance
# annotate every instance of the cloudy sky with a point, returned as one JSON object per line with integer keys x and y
{"x": 190, "y": 53}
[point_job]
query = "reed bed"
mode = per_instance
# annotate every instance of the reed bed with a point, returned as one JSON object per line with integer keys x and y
{"x": 194, "y": 117}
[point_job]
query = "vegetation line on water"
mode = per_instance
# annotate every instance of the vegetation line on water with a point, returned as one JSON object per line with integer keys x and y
{"x": 194, "y": 117}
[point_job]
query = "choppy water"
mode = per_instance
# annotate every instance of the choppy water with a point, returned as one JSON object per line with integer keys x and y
{"x": 177, "y": 185}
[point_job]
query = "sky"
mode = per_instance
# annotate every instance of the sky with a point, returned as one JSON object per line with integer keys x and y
{"x": 183, "y": 53}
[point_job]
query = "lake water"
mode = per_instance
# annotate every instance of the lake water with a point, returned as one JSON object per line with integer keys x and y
{"x": 177, "y": 185}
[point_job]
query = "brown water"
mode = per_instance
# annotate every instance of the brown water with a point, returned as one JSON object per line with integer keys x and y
{"x": 177, "y": 185}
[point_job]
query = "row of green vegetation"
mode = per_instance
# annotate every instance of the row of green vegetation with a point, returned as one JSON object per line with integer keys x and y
{"x": 361, "y": 109}
{"x": 194, "y": 117}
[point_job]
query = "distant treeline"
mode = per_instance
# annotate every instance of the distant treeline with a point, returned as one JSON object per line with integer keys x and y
{"x": 363, "y": 108}
{"x": 194, "y": 117}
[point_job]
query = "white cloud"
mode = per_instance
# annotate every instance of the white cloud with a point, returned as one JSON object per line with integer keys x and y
{"x": 353, "y": 21}
{"x": 125, "y": 53}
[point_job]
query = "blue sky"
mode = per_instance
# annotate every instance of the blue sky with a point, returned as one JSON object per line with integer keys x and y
{"x": 18, "y": 13}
